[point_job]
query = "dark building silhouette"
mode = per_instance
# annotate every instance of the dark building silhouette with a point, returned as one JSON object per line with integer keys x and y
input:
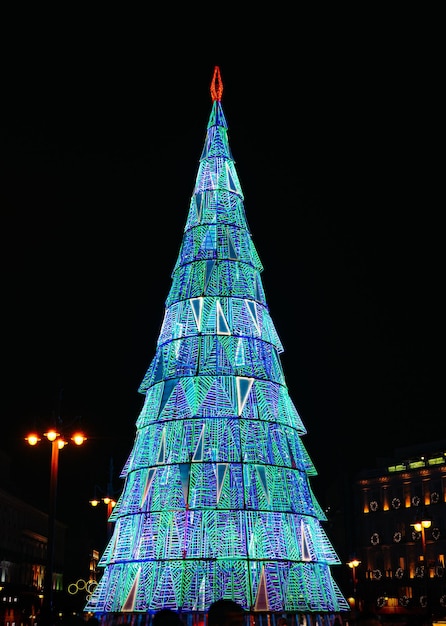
{"x": 23, "y": 554}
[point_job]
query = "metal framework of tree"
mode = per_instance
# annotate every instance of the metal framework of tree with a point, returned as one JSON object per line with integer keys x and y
{"x": 217, "y": 499}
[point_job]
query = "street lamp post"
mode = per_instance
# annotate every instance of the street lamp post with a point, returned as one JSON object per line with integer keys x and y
{"x": 353, "y": 564}
{"x": 108, "y": 499}
{"x": 57, "y": 443}
{"x": 421, "y": 523}
{"x": 110, "y": 503}
{"x": 420, "y": 527}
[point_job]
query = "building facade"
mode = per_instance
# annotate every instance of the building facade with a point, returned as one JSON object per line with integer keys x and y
{"x": 400, "y": 534}
{"x": 23, "y": 557}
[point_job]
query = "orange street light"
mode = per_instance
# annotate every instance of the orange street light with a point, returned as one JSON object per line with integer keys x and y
{"x": 353, "y": 564}
{"x": 108, "y": 499}
{"x": 420, "y": 524}
{"x": 57, "y": 443}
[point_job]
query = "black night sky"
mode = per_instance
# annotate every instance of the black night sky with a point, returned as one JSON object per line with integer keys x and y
{"x": 336, "y": 142}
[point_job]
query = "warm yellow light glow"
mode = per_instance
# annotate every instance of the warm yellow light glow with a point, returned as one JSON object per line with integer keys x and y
{"x": 51, "y": 435}
{"x": 32, "y": 439}
{"x": 94, "y": 502}
{"x": 106, "y": 500}
{"x": 353, "y": 563}
{"x": 113, "y": 503}
{"x": 425, "y": 522}
{"x": 78, "y": 438}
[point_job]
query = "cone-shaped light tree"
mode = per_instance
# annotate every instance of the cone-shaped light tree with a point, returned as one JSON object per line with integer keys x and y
{"x": 216, "y": 499}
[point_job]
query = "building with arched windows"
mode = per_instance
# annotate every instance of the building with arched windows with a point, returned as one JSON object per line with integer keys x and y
{"x": 399, "y": 518}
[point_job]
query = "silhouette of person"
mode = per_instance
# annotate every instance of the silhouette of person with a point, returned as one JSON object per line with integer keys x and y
{"x": 225, "y": 612}
{"x": 167, "y": 617}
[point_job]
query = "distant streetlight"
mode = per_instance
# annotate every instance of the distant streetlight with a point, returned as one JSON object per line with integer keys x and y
{"x": 57, "y": 441}
{"x": 353, "y": 564}
{"x": 110, "y": 503}
{"x": 108, "y": 499}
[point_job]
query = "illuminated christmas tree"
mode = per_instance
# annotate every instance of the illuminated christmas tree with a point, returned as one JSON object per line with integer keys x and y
{"x": 217, "y": 499}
